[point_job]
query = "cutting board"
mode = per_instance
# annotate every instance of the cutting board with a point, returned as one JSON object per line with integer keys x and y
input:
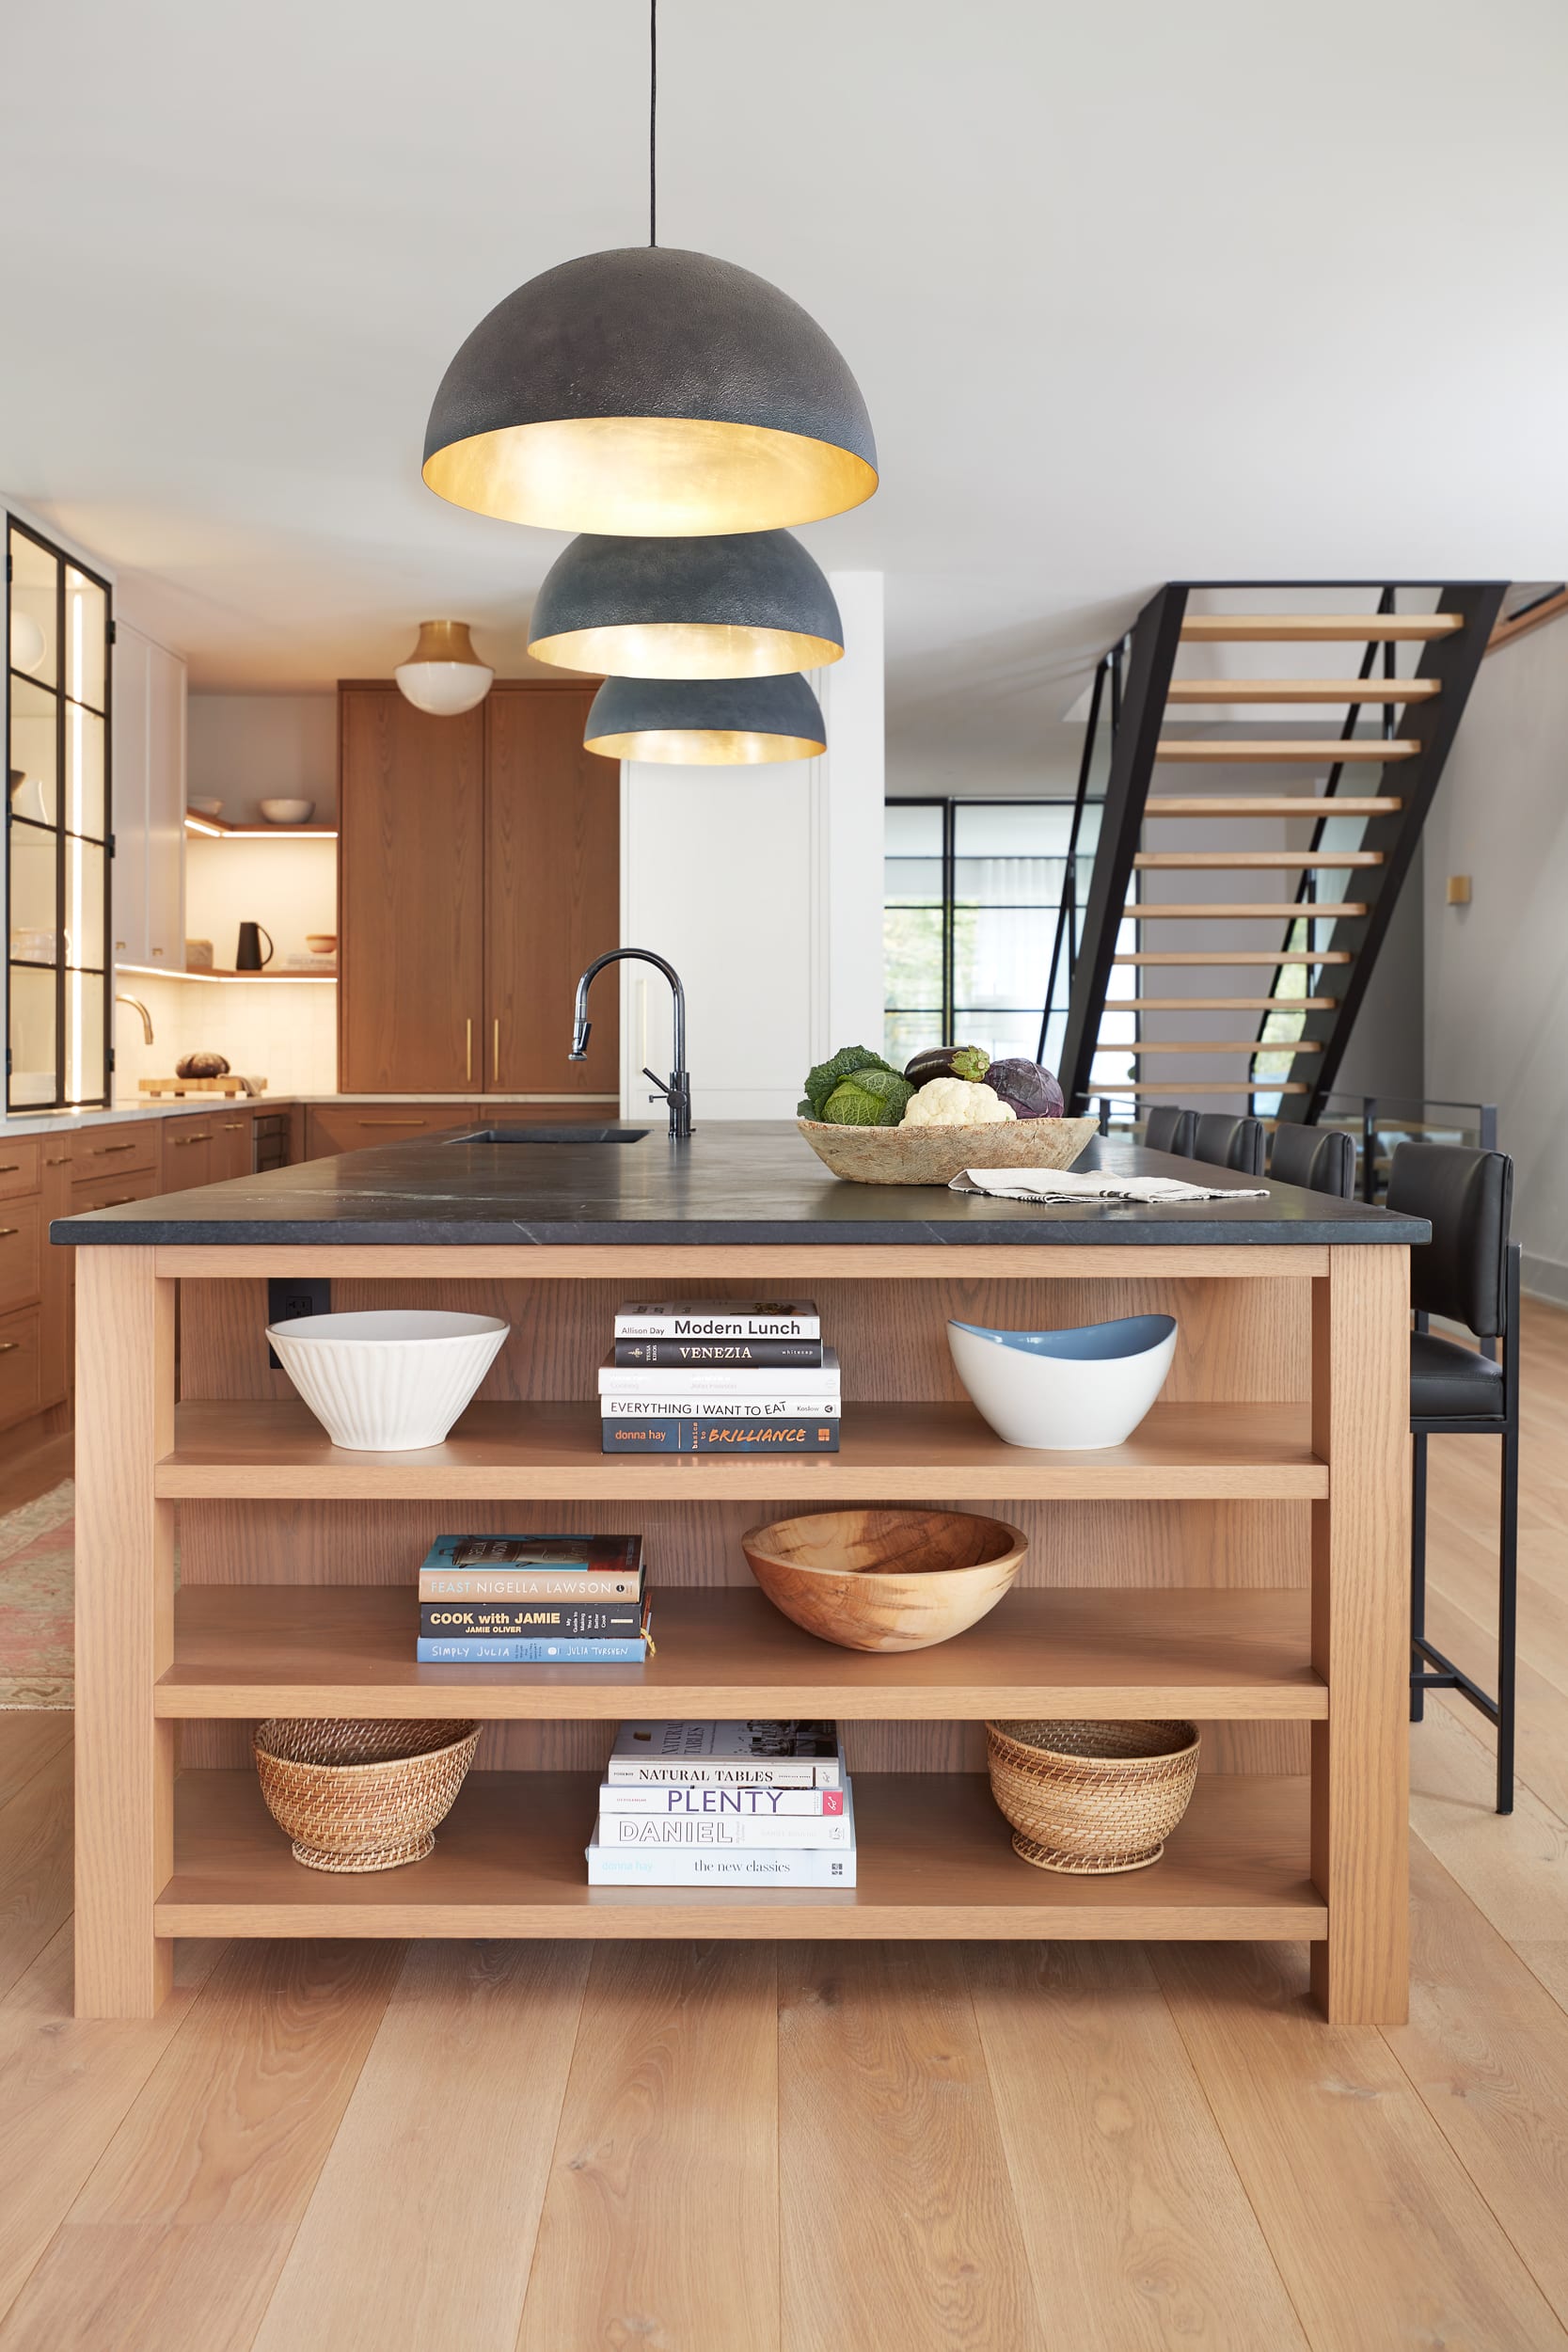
{"x": 173, "y": 1088}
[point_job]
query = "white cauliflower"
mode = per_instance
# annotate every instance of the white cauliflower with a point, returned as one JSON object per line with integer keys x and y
{"x": 955, "y": 1102}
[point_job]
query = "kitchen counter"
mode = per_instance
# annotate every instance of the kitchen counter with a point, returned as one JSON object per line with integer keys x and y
{"x": 24, "y": 1122}
{"x": 741, "y": 1183}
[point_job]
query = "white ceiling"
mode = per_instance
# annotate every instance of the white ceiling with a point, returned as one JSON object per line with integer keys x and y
{"x": 1133, "y": 291}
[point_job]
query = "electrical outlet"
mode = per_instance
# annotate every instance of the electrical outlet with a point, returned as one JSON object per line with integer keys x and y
{"x": 288, "y": 1297}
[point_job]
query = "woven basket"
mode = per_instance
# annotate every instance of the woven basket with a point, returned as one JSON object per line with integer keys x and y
{"x": 361, "y": 1796}
{"x": 1092, "y": 1799}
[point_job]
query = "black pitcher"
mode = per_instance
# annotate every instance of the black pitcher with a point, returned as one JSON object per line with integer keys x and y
{"x": 248, "y": 957}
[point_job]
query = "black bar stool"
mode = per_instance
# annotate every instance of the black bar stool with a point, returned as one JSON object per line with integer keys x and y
{"x": 1222, "y": 1141}
{"x": 1167, "y": 1129}
{"x": 1320, "y": 1159}
{"x": 1469, "y": 1272}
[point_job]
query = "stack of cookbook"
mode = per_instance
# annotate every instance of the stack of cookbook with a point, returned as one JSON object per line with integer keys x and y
{"x": 533, "y": 1600}
{"x": 719, "y": 1376}
{"x": 724, "y": 1805}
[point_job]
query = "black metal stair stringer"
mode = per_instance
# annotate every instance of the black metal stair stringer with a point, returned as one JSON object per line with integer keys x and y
{"x": 1155, "y": 641}
{"x": 1453, "y": 661}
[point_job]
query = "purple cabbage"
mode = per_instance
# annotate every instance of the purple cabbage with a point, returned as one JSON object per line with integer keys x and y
{"x": 1031, "y": 1088}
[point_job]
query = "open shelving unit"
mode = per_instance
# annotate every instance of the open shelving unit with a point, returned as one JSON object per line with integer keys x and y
{"x": 1284, "y": 1434}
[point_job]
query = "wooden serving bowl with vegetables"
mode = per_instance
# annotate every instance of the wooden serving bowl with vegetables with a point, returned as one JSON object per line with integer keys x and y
{"x": 949, "y": 1108}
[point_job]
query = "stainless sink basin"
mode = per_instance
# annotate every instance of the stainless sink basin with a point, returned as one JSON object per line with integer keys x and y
{"x": 583, "y": 1134}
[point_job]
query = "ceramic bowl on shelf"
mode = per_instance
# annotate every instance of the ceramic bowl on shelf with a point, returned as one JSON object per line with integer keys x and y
{"x": 934, "y": 1155}
{"x": 386, "y": 1381}
{"x": 321, "y": 942}
{"x": 206, "y": 808}
{"x": 885, "y": 1580}
{"x": 288, "y": 812}
{"x": 1066, "y": 1390}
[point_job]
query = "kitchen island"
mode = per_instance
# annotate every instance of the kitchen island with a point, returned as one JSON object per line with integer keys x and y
{"x": 1242, "y": 1560}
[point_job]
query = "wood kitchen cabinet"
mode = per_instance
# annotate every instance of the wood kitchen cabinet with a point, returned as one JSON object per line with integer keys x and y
{"x": 233, "y": 1143}
{"x": 478, "y": 874}
{"x": 149, "y": 790}
{"x": 339, "y": 1127}
{"x": 186, "y": 1152}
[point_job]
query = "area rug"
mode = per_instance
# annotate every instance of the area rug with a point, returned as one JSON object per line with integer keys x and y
{"x": 37, "y": 1632}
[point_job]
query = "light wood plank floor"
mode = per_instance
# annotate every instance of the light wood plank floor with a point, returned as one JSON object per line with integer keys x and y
{"x": 486, "y": 2148}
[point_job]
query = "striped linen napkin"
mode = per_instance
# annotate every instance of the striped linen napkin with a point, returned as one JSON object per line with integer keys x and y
{"x": 1063, "y": 1185}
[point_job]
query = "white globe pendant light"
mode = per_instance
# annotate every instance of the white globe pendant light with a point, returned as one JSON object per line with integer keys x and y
{"x": 443, "y": 674}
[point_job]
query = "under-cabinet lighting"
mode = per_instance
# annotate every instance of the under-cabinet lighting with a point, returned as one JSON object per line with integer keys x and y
{"x": 259, "y": 833}
{"x": 225, "y": 980}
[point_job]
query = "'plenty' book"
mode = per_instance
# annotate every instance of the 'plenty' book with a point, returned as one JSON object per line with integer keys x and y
{"x": 720, "y": 1319}
{"x": 792, "y": 1753}
{"x": 743, "y": 1800}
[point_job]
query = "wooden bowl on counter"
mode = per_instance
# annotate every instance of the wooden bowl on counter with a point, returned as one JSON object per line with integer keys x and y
{"x": 885, "y": 1580}
{"x": 934, "y": 1155}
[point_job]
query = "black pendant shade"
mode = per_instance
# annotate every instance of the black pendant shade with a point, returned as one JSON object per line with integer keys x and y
{"x": 650, "y": 392}
{"x": 722, "y": 723}
{"x": 746, "y": 604}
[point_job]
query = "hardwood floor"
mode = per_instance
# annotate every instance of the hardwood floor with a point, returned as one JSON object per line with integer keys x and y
{"x": 737, "y": 2147}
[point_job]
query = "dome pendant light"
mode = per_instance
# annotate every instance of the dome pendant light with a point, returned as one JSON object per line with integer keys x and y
{"x": 746, "y": 604}
{"x": 652, "y": 393}
{"x": 443, "y": 674}
{"x": 705, "y": 723}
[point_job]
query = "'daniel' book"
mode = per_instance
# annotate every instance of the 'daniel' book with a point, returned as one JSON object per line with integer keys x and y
{"x": 527, "y": 1568}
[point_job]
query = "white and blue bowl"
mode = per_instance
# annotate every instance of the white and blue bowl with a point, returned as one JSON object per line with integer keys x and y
{"x": 1066, "y": 1390}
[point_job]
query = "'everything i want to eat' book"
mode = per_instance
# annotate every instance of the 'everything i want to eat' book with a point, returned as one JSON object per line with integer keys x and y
{"x": 759, "y": 1754}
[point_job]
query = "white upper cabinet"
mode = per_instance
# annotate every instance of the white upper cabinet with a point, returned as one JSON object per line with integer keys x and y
{"x": 149, "y": 802}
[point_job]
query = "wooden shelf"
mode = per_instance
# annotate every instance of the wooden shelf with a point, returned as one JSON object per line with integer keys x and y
{"x": 918, "y": 1452}
{"x": 935, "y": 1860}
{"x": 248, "y": 1650}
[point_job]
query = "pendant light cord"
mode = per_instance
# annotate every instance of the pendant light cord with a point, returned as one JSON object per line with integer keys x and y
{"x": 653, "y": 121}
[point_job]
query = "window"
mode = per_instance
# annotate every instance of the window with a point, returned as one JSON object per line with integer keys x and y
{"x": 57, "y": 758}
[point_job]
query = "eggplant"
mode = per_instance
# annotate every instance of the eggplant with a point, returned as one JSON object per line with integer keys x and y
{"x": 947, "y": 1061}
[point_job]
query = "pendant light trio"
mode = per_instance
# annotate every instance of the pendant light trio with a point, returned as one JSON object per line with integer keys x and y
{"x": 678, "y": 412}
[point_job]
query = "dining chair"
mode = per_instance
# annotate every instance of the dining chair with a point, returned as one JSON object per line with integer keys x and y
{"x": 1225, "y": 1142}
{"x": 1469, "y": 1274}
{"x": 1167, "y": 1129}
{"x": 1320, "y": 1159}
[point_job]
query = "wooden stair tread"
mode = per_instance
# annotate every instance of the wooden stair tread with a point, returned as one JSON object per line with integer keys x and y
{"x": 1287, "y": 628}
{"x": 1221, "y": 1004}
{"x": 1285, "y": 804}
{"x": 1254, "y": 860}
{"x": 1302, "y": 690}
{"x": 1328, "y": 751}
{"x": 1236, "y": 955}
{"x": 1245, "y": 911}
{"x": 1222, "y": 1045}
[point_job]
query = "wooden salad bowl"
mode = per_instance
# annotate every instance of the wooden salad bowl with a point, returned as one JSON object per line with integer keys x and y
{"x": 933, "y": 1155}
{"x": 883, "y": 1580}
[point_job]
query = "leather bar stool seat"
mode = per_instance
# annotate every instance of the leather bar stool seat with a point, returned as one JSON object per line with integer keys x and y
{"x": 1449, "y": 1380}
{"x": 1168, "y": 1129}
{"x": 1222, "y": 1141}
{"x": 1320, "y": 1159}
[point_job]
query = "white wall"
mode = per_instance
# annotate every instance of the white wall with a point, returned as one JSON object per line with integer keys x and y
{"x": 763, "y": 886}
{"x": 248, "y": 748}
{"x": 1496, "y": 971}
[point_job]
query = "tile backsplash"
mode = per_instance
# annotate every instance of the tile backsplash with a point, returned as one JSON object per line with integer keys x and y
{"x": 285, "y": 1031}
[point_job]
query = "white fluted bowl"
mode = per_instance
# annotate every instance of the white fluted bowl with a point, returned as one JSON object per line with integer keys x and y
{"x": 390, "y": 1379}
{"x": 1062, "y": 1390}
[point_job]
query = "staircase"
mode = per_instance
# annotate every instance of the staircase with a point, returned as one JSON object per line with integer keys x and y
{"x": 1401, "y": 679}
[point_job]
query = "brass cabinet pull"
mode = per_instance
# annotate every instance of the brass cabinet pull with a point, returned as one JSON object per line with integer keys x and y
{"x": 232, "y": 1126}
{"x": 64, "y": 1161}
{"x": 107, "y": 1151}
{"x": 496, "y": 1052}
{"x": 179, "y": 1141}
{"x": 11, "y": 1167}
{"x": 9, "y": 1347}
{"x": 6, "y": 1231}
{"x": 468, "y": 1048}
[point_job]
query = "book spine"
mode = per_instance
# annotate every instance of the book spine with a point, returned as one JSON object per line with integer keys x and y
{"x": 672, "y": 1403}
{"x": 673, "y": 1435}
{"x": 579, "y": 1620}
{"x": 750, "y": 1802}
{"x": 707, "y": 1865}
{"x": 625, "y": 1772}
{"x": 551, "y": 1555}
{"x": 718, "y": 1354}
{"x": 675, "y": 1326}
{"x": 527, "y": 1584}
{"x": 517, "y": 1650}
{"x": 635, "y": 1829}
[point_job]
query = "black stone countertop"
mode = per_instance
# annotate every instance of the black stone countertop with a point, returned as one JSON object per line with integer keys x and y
{"x": 736, "y": 1181}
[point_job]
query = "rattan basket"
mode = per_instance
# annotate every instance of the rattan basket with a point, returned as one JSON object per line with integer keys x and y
{"x": 1092, "y": 1799}
{"x": 361, "y": 1796}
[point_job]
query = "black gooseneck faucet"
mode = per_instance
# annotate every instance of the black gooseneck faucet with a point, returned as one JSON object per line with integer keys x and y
{"x": 679, "y": 1092}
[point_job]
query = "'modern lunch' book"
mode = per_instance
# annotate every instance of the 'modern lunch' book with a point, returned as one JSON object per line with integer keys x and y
{"x": 718, "y": 1319}
{"x": 779, "y": 1755}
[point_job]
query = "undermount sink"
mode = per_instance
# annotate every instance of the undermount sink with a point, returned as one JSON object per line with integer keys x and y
{"x": 584, "y": 1133}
